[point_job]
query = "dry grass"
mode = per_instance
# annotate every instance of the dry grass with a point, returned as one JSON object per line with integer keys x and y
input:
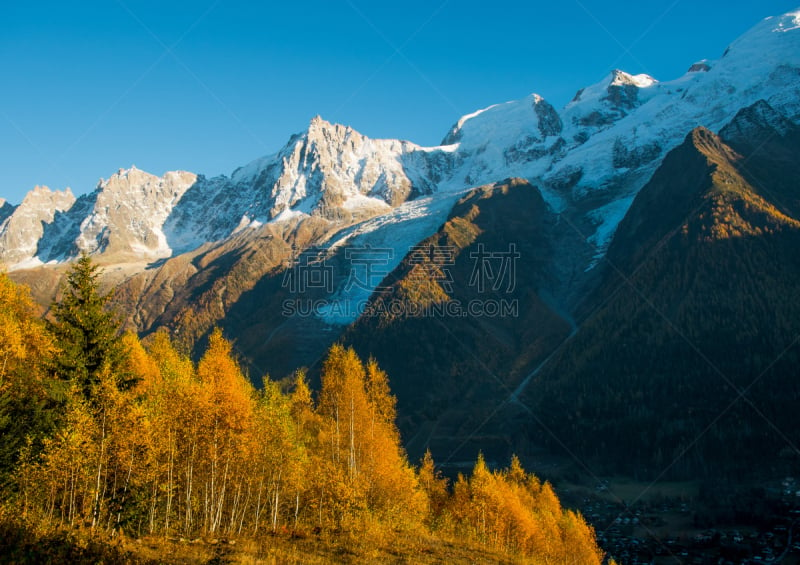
{"x": 20, "y": 545}
{"x": 275, "y": 550}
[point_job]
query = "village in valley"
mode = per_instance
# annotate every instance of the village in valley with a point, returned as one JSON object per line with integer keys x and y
{"x": 689, "y": 523}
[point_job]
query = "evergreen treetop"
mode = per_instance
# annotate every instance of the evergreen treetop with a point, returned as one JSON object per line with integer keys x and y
{"x": 85, "y": 330}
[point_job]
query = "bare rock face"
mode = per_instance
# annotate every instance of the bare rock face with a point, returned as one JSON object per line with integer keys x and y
{"x": 330, "y": 171}
{"x": 21, "y": 231}
{"x": 336, "y": 163}
{"x": 549, "y": 120}
{"x": 129, "y": 213}
{"x": 605, "y": 103}
{"x": 700, "y": 67}
{"x": 632, "y": 156}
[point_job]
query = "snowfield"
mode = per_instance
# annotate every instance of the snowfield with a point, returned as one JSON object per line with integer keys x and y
{"x": 593, "y": 155}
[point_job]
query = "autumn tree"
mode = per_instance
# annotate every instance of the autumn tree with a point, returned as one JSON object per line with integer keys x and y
{"x": 513, "y": 512}
{"x": 27, "y": 395}
{"x": 280, "y": 457}
{"x": 178, "y": 413}
{"x": 138, "y": 365}
{"x": 195, "y": 449}
{"x": 365, "y": 467}
{"x": 434, "y": 485}
{"x": 85, "y": 471}
{"x": 232, "y": 420}
{"x": 302, "y": 407}
{"x": 343, "y": 399}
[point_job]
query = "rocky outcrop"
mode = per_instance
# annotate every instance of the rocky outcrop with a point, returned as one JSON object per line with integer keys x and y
{"x": 549, "y": 120}
{"x": 22, "y": 230}
{"x": 129, "y": 213}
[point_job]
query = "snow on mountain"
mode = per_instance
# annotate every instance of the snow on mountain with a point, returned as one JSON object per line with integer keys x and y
{"x": 505, "y": 124}
{"x": 515, "y": 136}
{"x": 614, "y": 133}
{"x": 610, "y": 138}
{"x": 626, "y": 121}
{"x": 391, "y": 236}
{"x": 601, "y": 105}
{"x": 589, "y": 159}
{"x": 129, "y": 213}
{"x": 606, "y": 143}
{"x": 21, "y": 230}
{"x": 327, "y": 170}
{"x": 124, "y": 215}
{"x": 333, "y": 163}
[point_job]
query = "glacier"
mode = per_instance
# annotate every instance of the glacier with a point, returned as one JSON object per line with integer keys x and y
{"x": 588, "y": 160}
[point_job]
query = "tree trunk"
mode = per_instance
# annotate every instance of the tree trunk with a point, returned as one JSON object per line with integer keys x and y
{"x": 96, "y": 502}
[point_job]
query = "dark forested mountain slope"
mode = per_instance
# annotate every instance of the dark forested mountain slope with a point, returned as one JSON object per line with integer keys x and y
{"x": 438, "y": 326}
{"x": 686, "y": 357}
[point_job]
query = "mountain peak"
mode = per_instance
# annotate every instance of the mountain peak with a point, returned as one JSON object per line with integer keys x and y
{"x": 129, "y": 171}
{"x": 605, "y": 102}
{"x": 505, "y": 123}
{"x": 39, "y": 189}
{"x": 44, "y": 195}
{"x": 22, "y": 229}
{"x": 318, "y": 122}
{"x": 766, "y": 42}
{"x": 122, "y": 174}
{"x": 702, "y": 137}
{"x": 619, "y": 77}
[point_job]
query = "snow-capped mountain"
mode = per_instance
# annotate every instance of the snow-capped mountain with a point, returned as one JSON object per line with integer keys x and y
{"x": 606, "y": 143}
{"x": 23, "y": 227}
{"x": 589, "y": 160}
{"x": 122, "y": 218}
{"x": 328, "y": 170}
{"x": 130, "y": 210}
{"x": 186, "y": 252}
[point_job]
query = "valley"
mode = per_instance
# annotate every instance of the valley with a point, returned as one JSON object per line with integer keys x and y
{"x": 608, "y": 290}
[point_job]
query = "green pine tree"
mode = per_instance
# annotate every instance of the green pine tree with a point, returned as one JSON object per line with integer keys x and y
{"x": 85, "y": 329}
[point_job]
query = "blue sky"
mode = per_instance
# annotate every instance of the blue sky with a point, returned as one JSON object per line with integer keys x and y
{"x": 206, "y": 86}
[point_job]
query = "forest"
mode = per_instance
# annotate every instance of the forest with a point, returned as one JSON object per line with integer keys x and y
{"x": 109, "y": 441}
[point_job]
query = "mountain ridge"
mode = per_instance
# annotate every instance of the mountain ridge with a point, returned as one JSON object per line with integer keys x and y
{"x": 685, "y": 323}
{"x": 688, "y": 189}
{"x": 594, "y": 154}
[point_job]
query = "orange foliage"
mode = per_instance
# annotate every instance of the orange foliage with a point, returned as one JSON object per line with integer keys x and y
{"x": 197, "y": 450}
